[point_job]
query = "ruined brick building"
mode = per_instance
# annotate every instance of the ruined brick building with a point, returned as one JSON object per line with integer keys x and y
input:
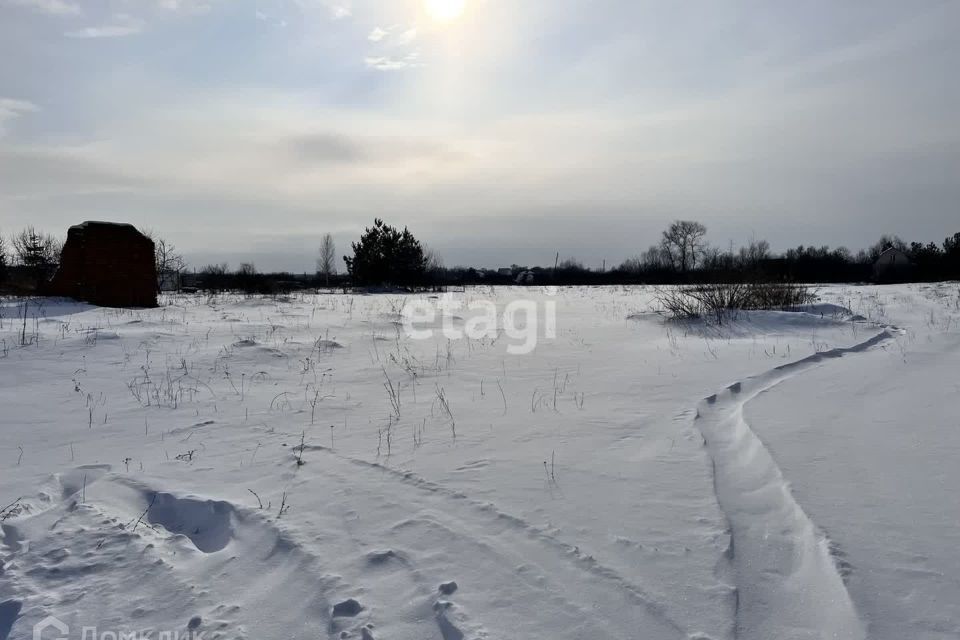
{"x": 107, "y": 264}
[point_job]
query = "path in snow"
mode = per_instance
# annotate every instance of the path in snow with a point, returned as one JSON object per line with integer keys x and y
{"x": 189, "y": 563}
{"x": 873, "y": 462}
{"x": 788, "y": 586}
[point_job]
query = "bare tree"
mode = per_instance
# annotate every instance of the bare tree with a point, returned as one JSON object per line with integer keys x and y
{"x": 247, "y": 277}
{"x": 216, "y": 269}
{"x": 570, "y": 264}
{"x": 754, "y": 253}
{"x": 168, "y": 261}
{"x": 631, "y": 265}
{"x": 36, "y": 249}
{"x": 683, "y": 244}
{"x": 655, "y": 258}
{"x": 214, "y": 276}
{"x": 327, "y": 261}
{"x": 434, "y": 260}
{"x": 3, "y": 259}
{"x": 38, "y": 252}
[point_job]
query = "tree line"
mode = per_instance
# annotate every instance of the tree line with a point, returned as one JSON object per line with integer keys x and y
{"x": 388, "y": 257}
{"x": 683, "y": 255}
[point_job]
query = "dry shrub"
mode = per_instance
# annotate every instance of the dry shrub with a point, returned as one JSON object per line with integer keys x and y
{"x": 718, "y": 301}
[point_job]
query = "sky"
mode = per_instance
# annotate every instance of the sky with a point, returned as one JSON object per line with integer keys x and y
{"x": 498, "y": 131}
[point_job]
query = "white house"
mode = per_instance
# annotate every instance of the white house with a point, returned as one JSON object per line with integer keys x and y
{"x": 892, "y": 263}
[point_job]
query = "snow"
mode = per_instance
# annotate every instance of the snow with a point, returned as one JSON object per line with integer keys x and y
{"x": 298, "y": 467}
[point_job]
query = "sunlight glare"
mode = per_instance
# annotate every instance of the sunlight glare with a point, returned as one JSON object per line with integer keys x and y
{"x": 445, "y": 10}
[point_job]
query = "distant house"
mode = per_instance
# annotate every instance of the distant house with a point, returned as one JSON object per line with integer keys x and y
{"x": 526, "y": 277}
{"x": 191, "y": 281}
{"x": 168, "y": 280}
{"x": 505, "y": 271}
{"x": 893, "y": 264}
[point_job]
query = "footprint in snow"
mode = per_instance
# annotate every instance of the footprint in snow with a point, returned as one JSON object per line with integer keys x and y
{"x": 347, "y": 609}
{"x": 448, "y": 588}
{"x": 448, "y": 629}
{"x": 381, "y": 557}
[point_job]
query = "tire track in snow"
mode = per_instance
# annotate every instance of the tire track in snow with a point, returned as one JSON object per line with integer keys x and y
{"x": 788, "y": 586}
{"x": 514, "y": 539}
{"x": 206, "y": 556}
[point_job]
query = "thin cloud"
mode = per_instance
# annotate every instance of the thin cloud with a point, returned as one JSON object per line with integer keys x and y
{"x": 391, "y": 63}
{"x": 388, "y": 45}
{"x": 52, "y": 7}
{"x": 11, "y": 109}
{"x": 337, "y": 9}
{"x": 407, "y": 36}
{"x": 377, "y": 34}
{"x": 121, "y": 25}
{"x": 394, "y": 35}
{"x": 188, "y": 6}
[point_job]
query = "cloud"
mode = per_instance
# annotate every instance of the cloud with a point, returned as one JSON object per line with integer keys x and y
{"x": 45, "y": 172}
{"x": 336, "y": 9}
{"x": 407, "y": 36}
{"x": 186, "y": 6}
{"x": 52, "y": 7}
{"x": 394, "y": 35}
{"x": 121, "y": 25}
{"x": 326, "y": 149}
{"x": 233, "y": 156}
{"x": 386, "y": 42}
{"x": 802, "y": 125}
{"x": 339, "y": 11}
{"x": 391, "y": 63}
{"x": 11, "y": 109}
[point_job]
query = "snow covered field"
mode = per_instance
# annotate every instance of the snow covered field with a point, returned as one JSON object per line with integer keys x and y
{"x": 300, "y": 467}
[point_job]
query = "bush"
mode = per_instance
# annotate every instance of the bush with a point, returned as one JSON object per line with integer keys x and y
{"x": 717, "y": 301}
{"x": 777, "y": 295}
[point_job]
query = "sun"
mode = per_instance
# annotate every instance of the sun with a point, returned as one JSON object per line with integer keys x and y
{"x": 445, "y": 10}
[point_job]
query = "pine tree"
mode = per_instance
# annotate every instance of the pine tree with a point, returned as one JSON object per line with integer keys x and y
{"x": 387, "y": 256}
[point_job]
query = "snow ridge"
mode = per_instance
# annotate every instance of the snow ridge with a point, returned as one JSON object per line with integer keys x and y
{"x": 788, "y": 585}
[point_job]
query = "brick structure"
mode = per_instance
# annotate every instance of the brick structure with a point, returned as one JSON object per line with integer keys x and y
{"x": 107, "y": 264}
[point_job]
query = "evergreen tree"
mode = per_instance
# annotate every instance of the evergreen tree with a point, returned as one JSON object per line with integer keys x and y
{"x": 387, "y": 256}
